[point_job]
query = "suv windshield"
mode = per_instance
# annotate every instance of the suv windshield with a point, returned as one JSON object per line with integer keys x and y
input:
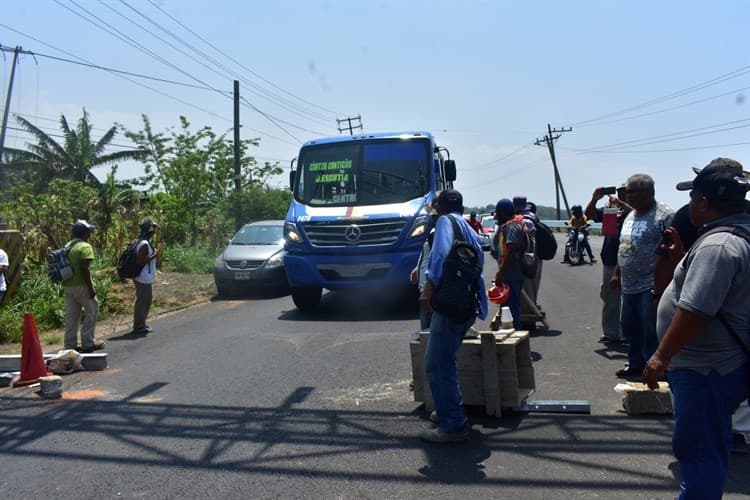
{"x": 259, "y": 235}
{"x": 363, "y": 173}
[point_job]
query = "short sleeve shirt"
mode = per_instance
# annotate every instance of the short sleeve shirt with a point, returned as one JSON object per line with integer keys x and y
{"x": 639, "y": 238}
{"x": 511, "y": 232}
{"x": 714, "y": 276}
{"x": 3, "y": 262}
{"x": 79, "y": 250}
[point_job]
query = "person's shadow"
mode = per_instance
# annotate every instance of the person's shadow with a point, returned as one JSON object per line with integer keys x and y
{"x": 457, "y": 463}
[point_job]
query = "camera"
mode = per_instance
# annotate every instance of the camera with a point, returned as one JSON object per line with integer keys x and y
{"x": 609, "y": 190}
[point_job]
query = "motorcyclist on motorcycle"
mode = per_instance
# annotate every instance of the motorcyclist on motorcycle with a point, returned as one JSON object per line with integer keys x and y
{"x": 579, "y": 222}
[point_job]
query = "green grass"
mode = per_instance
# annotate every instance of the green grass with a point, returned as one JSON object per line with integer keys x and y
{"x": 44, "y": 299}
{"x": 188, "y": 259}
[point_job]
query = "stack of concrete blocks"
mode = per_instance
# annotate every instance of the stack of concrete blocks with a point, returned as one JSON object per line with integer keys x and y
{"x": 494, "y": 370}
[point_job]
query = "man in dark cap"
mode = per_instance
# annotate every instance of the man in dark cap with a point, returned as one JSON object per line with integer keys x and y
{"x": 145, "y": 258}
{"x": 80, "y": 292}
{"x": 510, "y": 241}
{"x": 708, "y": 298}
{"x": 446, "y": 335}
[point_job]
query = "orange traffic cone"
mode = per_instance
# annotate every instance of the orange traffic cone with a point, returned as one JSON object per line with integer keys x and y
{"x": 32, "y": 359}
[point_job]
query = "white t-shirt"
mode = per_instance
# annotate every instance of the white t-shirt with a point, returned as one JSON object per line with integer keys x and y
{"x": 148, "y": 273}
{"x": 3, "y": 262}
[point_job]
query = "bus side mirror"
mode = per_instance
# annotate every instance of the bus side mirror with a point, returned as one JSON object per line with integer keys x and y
{"x": 291, "y": 180}
{"x": 450, "y": 170}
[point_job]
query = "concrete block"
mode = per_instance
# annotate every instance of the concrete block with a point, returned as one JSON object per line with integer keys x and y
{"x": 638, "y": 399}
{"x": 50, "y": 387}
{"x": 6, "y": 378}
{"x": 94, "y": 361}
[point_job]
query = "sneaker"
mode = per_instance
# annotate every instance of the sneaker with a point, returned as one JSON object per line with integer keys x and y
{"x": 98, "y": 345}
{"x": 438, "y": 435}
{"x": 434, "y": 417}
{"x": 628, "y": 372}
{"x": 593, "y": 260}
{"x": 607, "y": 340}
{"x": 142, "y": 331}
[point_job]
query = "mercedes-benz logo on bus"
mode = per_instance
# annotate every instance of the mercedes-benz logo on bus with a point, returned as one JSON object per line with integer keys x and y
{"x": 352, "y": 233}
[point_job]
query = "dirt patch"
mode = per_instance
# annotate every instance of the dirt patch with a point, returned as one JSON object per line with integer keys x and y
{"x": 172, "y": 291}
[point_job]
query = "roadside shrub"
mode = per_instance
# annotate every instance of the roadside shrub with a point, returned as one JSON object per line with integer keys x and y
{"x": 188, "y": 259}
{"x": 44, "y": 299}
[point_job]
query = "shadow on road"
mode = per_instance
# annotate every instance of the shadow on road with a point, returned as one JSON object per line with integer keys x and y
{"x": 564, "y": 452}
{"x": 359, "y": 305}
{"x": 259, "y": 294}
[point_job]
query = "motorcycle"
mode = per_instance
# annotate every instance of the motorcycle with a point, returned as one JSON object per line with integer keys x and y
{"x": 574, "y": 247}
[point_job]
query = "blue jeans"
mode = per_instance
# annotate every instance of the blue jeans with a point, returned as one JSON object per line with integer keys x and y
{"x": 638, "y": 323}
{"x": 702, "y": 437}
{"x": 514, "y": 302}
{"x": 440, "y": 364}
{"x": 424, "y": 319}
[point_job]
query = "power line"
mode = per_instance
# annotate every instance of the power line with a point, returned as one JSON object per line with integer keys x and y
{"x": 714, "y": 146}
{"x": 159, "y": 58}
{"x": 169, "y": 96}
{"x": 227, "y": 73}
{"x": 714, "y": 81}
{"x": 271, "y": 119}
{"x": 112, "y": 70}
{"x": 691, "y": 103}
{"x": 502, "y": 158}
{"x": 125, "y": 38}
{"x": 663, "y": 137}
{"x": 121, "y": 76}
{"x": 237, "y": 62}
{"x": 52, "y": 134}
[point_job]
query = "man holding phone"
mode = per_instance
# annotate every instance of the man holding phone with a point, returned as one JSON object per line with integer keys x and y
{"x": 610, "y": 298}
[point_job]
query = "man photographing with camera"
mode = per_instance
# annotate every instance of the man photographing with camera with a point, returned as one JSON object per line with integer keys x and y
{"x": 610, "y": 298}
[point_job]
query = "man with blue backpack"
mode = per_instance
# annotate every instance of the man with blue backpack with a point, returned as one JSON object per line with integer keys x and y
{"x": 455, "y": 295}
{"x": 80, "y": 292}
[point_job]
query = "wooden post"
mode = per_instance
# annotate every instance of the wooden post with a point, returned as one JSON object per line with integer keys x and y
{"x": 489, "y": 374}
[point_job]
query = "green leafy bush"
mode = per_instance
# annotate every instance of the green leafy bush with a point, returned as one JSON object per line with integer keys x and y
{"x": 44, "y": 299}
{"x": 188, "y": 259}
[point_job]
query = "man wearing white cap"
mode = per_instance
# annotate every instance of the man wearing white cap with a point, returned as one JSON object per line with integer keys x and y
{"x": 80, "y": 292}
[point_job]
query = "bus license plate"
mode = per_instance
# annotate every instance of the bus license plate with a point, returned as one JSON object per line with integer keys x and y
{"x": 242, "y": 275}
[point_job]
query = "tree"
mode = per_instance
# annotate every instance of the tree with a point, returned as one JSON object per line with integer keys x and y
{"x": 73, "y": 160}
{"x": 193, "y": 176}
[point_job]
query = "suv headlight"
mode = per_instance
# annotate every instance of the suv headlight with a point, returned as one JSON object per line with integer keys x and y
{"x": 291, "y": 234}
{"x": 420, "y": 226}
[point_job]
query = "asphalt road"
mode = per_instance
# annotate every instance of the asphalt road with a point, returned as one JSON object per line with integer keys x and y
{"x": 250, "y": 398}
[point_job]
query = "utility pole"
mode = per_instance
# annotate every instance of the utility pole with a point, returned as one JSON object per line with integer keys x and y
{"x": 6, "y": 112}
{"x": 237, "y": 160}
{"x": 549, "y": 140}
{"x": 349, "y": 126}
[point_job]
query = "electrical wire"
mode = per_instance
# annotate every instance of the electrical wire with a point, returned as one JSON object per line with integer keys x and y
{"x": 226, "y": 74}
{"x": 138, "y": 46}
{"x": 113, "y": 70}
{"x": 239, "y": 63}
{"x": 255, "y": 89}
{"x": 691, "y": 103}
{"x": 663, "y": 137}
{"x": 169, "y": 96}
{"x": 714, "y": 146}
{"x": 714, "y": 81}
{"x": 501, "y": 159}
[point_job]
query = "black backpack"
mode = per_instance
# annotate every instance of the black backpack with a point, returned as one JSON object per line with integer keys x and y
{"x": 546, "y": 244}
{"x": 127, "y": 265}
{"x": 457, "y": 295}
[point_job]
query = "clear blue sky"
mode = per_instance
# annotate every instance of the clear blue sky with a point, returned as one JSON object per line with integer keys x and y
{"x": 485, "y": 77}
